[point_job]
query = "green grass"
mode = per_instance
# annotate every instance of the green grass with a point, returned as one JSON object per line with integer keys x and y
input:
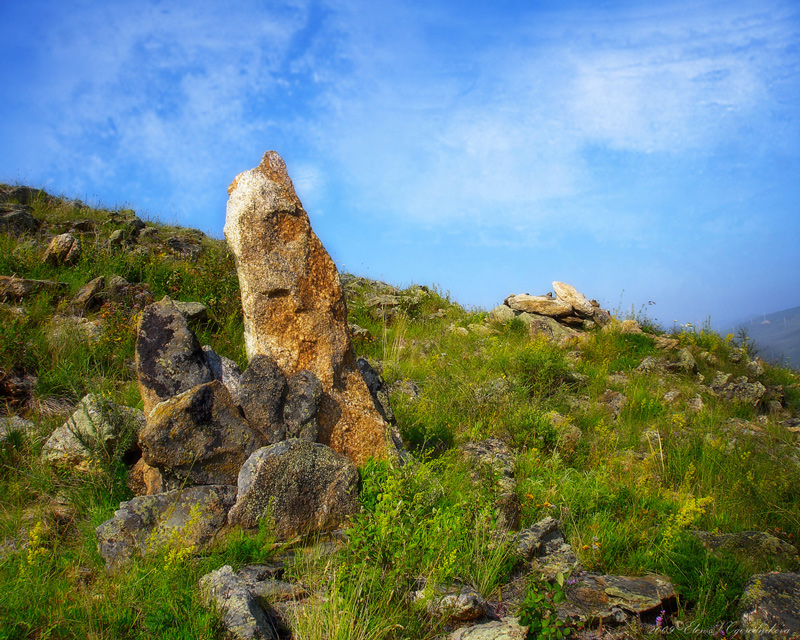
{"x": 628, "y": 489}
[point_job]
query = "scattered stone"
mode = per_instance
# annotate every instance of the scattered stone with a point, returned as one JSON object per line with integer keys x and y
{"x": 629, "y": 327}
{"x": 685, "y": 362}
{"x": 614, "y": 401}
{"x": 502, "y": 313}
{"x": 192, "y": 311}
{"x": 540, "y": 305}
{"x": 753, "y": 546}
{"x": 12, "y": 288}
{"x": 741, "y": 390}
{"x": 606, "y": 599}
{"x": 17, "y": 219}
{"x": 755, "y": 367}
{"x": 492, "y": 391}
{"x": 169, "y": 359}
{"x": 116, "y": 239}
{"x": 185, "y": 518}
{"x": 64, "y": 249}
{"x": 82, "y": 226}
{"x": 507, "y": 628}
{"x": 180, "y": 247}
{"x": 16, "y": 388}
{"x": 89, "y": 296}
{"x": 95, "y": 429}
{"x": 457, "y": 603}
{"x": 770, "y": 606}
{"x": 148, "y": 232}
{"x": 198, "y": 437}
{"x": 671, "y": 397}
{"x": 62, "y": 330}
{"x": 303, "y": 487}
{"x": 294, "y": 307}
{"x": 358, "y": 333}
{"x": 242, "y": 616}
{"x": 665, "y": 343}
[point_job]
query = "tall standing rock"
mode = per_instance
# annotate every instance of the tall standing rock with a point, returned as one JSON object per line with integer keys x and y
{"x": 294, "y": 307}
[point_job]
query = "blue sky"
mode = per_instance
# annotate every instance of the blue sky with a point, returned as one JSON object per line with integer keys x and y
{"x": 640, "y": 151}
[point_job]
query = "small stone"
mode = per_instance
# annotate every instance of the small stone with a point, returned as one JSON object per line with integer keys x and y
{"x": 242, "y": 616}
{"x": 64, "y": 249}
{"x": 89, "y": 295}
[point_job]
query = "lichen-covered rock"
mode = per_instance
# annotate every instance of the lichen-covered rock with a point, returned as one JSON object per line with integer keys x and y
{"x": 457, "y": 603}
{"x": 302, "y": 486}
{"x": 17, "y": 219}
{"x": 540, "y": 305}
{"x": 544, "y": 546}
{"x": 770, "y": 606}
{"x": 294, "y": 307}
{"x": 64, "y": 249}
{"x": 493, "y": 459}
{"x": 303, "y": 395}
{"x": 262, "y": 391}
{"x": 89, "y": 296}
{"x": 169, "y": 359}
{"x": 198, "y": 437}
{"x": 95, "y": 429}
{"x": 593, "y": 598}
{"x": 507, "y": 628}
{"x": 185, "y": 518}
{"x": 242, "y": 615}
{"x": 754, "y": 546}
{"x": 15, "y": 424}
{"x": 502, "y": 313}
{"x": 544, "y": 326}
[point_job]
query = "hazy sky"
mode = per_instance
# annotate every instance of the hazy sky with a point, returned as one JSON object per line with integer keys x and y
{"x": 640, "y": 151}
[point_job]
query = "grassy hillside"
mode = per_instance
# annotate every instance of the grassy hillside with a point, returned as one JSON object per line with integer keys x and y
{"x": 626, "y": 459}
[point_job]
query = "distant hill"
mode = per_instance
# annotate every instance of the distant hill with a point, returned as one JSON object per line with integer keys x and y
{"x": 776, "y": 336}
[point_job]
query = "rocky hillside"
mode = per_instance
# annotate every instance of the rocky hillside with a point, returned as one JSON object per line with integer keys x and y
{"x": 202, "y": 439}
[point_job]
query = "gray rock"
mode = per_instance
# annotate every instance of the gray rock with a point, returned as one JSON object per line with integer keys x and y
{"x": 12, "y": 288}
{"x": 547, "y": 327}
{"x": 184, "y": 248}
{"x": 304, "y": 487}
{"x": 571, "y": 296}
{"x": 457, "y": 603}
{"x": 262, "y": 393}
{"x": 755, "y": 368}
{"x": 148, "y": 232}
{"x": 507, "y": 628}
{"x": 502, "y": 313}
{"x": 192, "y": 311}
{"x": 185, "y": 518}
{"x": 740, "y": 390}
{"x": 95, "y": 429}
{"x": 493, "y": 459}
{"x": 89, "y": 296}
{"x": 758, "y": 546}
{"x": 242, "y": 616}
{"x": 226, "y": 371}
{"x": 169, "y": 359}
{"x": 116, "y": 239}
{"x": 17, "y": 219}
{"x": 614, "y": 401}
{"x": 64, "y": 249}
{"x": 770, "y": 606}
{"x": 648, "y": 365}
{"x": 303, "y": 397}
{"x": 685, "y": 362}
{"x": 198, "y": 437}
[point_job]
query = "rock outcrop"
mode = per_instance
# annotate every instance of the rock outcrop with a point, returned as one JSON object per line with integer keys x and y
{"x": 294, "y": 306}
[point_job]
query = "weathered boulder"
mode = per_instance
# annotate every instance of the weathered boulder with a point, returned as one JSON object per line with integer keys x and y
{"x": 187, "y": 518}
{"x": 770, "y": 606}
{"x": 198, "y": 437}
{"x": 12, "y": 288}
{"x": 262, "y": 391}
{"x": 544, "y": 546}
{"x": 169, "y": 359}
{"x": 303, "y": 395}
{"x": 193, "y": 311}
{"x": 64, "y": 249}
{"x": 740, "y": 390}
{"x": 571, "y": 296}
{"x": 540, "y": 305}
{"x": 502, "y": 313}
{"x": 294, "y": 307}
{"x": 303, "y": 486}
{"x": 753, "y": 546}
{"x": 242, "y": 616}
{"x": 17, "y": 219}
{"x": 96, "y": 428}
{"x": 89, "y": 296}
{"x": 545, "y": 326}
{"x": 459, "y": 603}
{"x": 493, "y": 459}
{"x": 596, "y": 598}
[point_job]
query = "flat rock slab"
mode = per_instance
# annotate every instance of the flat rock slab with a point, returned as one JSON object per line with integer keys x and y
{"x": 198, "y": 436}
{"x": 185, "y": 517}
{"x": 242, "y": 616}
{"x": 540, "y": 305}
{"x": 614, "y": 599}
{"x": 571, "y": 296}
{"x": 304, "y": 487}
{"x": 771, "y": 606}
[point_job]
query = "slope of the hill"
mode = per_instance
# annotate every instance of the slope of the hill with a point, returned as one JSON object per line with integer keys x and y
{"x": 658, "y": 473}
